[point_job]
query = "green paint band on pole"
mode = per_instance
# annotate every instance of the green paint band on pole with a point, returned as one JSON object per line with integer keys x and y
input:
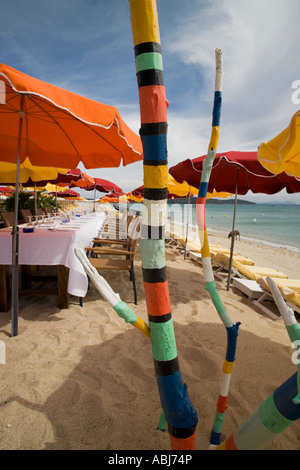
{"x": 218, "y": 422}
{"x": 294, "y": 334}
{"x": 163, "y": 341}
{"x": 216, "y": 300}
{"x": 271, "y": 417}
{"x": 207, "y": 165}
{"x": 149, "y": 60}
{"x": 252, "y": 434}
{"x": 162, "y": 424}
{"x": 125, "y": 312}
{"x": 153, "y": 253}
{"x": 293, "y": 331}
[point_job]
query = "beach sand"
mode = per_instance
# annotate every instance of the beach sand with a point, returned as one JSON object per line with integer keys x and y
{"x": 84, "y": 379}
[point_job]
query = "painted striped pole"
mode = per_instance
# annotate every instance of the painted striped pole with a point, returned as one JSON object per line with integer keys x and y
{"x": 179, "y": 413}
{"x": 272, "y": 417}
{"x": 282, "y": 407}
{"x": 291, "y": 324}
{"x": 210, "y": 285}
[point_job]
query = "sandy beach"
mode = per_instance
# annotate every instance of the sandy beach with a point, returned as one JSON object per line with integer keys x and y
{"x": 83, "y": 379}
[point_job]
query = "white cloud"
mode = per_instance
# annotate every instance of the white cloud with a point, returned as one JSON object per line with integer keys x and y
{"x": 259, "y": 43}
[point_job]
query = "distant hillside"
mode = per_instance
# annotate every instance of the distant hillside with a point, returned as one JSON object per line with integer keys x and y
{"x": 193, "y": 200}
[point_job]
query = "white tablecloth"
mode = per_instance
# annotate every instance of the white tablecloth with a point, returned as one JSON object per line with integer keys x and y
{"x": 47, "y": 247}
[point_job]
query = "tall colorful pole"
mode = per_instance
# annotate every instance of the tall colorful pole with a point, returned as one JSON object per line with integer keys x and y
{"x": 179, "y": 413}
{"x": 210, "y": 285}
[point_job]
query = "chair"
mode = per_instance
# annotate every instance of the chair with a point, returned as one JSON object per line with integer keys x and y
{"x": 26, "y": 213}
{"x": 116, "y": 228}
{"x": 193, "y": 248}
{"x": 48, "y": 210}
{"x": 39, "y": 211}
{"x": 8, "y": 218}
{"x": 259, "y": 297}
{"x": 108, "y": 258}
{"x": 251, "y": 272}
{"x": 115, "y": 239}
{"x": 220, "y": 271}
{"x": 289, "y": 288}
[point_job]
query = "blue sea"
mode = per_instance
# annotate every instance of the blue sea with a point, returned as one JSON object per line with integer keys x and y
{"x": 277, "y": 224}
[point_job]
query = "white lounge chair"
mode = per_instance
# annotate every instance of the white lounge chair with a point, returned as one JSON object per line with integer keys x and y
{"x": 259, "y": 297}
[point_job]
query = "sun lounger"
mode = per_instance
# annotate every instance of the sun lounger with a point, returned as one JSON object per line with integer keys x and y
{"x": 219, "y": 268}
{"x": 259, "y": 297}
{"x": 193, "y": 248}
{"x": 289, "y": 288}
{"x": 246, "y": 271}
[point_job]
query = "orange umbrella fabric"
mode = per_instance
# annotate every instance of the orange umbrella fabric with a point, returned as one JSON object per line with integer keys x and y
{"x": 101, "y": 185}
{"x": 61, "y": 128}
{"x": 6, "y": 191}
{"x": 54, "y": 127}
{"x": 66, "y": 193}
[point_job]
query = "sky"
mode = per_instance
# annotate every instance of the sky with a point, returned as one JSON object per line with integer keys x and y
{"x": 86, "y": 46}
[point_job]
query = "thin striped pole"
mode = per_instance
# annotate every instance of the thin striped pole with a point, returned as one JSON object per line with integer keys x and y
{"x": 210, "y": 285}
{"x": 282, "y": 407}
{"x": 272, "y": 417}
{"x": 179, "y": 413}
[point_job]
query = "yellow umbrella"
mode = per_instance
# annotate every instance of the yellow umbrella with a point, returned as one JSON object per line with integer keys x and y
{"x": 8, "y": 172}
{"x": 184, "y": 189}
{"x": 180, "y": 189}
{"x": 216, "y": 194}
{"x": 131, "y": 197}
{"x": 53, "y": 187}
{"x": 282, "y": 153}
{"x": 27, "y": 170}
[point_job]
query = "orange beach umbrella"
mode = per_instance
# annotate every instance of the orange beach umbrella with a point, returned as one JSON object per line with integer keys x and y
{"x": 54, "y": 127}
{"x": 61, "y": 128}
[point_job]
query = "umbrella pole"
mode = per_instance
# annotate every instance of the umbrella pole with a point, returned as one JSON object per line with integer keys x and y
{"x": 232, "y": 233}
{"x": 35, "y": 198}
{"x": 187, "y": 226}
{"x": 94, "y": 199}
{"x": 15, "y": 236}
{"x": 55, "y": 199}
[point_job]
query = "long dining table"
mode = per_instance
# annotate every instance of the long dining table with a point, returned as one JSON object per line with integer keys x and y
{"x": 51, "y": 245}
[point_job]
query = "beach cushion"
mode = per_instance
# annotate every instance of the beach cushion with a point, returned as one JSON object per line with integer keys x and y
{"x": 195, "y": 247}
{"x": 293, "y": 284}
{"x": 251, "y": 272}
{"x": 224, "y": 258}
{"x": 290, "y": 288}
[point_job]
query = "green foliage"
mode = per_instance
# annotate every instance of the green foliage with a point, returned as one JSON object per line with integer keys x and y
{"x": 27, "y": 201}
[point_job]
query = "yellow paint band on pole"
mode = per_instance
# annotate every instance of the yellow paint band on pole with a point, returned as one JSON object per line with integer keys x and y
{"x": 155, "y": 176}
{"x": 141, "y": 325}
{"x": 144, "y": 22}
{"x": 214, "y": 138}
{"x": 227, "y": 367}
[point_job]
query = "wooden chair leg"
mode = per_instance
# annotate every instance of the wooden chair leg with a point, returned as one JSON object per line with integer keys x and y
{"x": 132, "y": 278}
